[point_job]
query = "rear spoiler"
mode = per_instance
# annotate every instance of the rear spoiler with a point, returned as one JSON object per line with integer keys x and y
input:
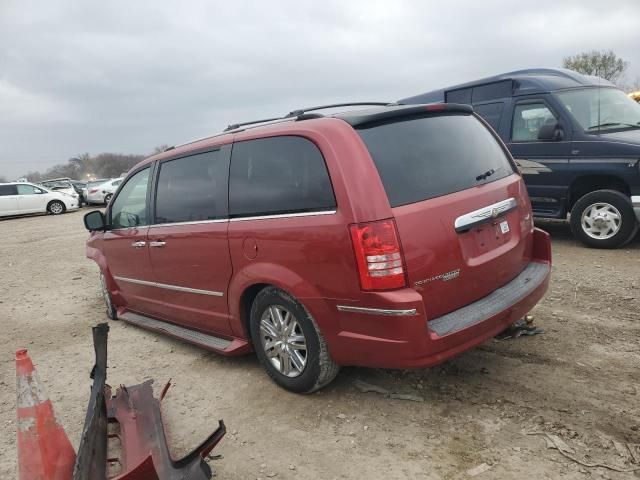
{"x": 359, "y": 118}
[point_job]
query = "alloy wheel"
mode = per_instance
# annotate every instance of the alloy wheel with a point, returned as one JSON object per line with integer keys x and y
{"x": 283, "y": 341}
{"x": 56, "y": 208}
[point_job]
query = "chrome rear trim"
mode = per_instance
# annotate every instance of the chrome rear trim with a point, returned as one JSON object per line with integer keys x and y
{"x": 195, "y": 222}
{"x": 375, "y": 311}
{"x": 485, "y": 214}
{"x": 176, "y": 288}
{"x": 284, "y": 215}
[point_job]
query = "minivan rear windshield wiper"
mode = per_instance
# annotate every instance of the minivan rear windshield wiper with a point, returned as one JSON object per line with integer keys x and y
{"x": 487, "y": 174}
{"x": 614, "y": 124}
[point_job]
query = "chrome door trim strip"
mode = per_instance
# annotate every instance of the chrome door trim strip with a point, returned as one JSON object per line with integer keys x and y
{"x": 375, "y": 311}
{"x": 485, "y": 214}
{"x": 284, "y": 215}
{"x": 170, "y": 287}
{"x": 195, "y": 222}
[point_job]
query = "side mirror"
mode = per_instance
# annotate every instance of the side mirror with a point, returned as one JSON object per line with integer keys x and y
{"x": 94, "y": 221}
{"x": 551, "y": 132}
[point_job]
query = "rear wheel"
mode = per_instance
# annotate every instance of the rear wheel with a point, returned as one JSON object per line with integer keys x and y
{"x": 603, "y": 219}
{"x": 289, "y": 344}
{"x": 56, "y": 207}
{"x": 111, "y": 310}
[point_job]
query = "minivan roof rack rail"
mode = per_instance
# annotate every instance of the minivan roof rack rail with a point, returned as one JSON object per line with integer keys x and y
{"x": 295, "y": 113}
{"x": 234, "y": 126}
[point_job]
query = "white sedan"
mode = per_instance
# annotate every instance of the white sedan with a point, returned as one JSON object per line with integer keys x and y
{"x": 103, "y": 193}
{"x": 20, "y": 198}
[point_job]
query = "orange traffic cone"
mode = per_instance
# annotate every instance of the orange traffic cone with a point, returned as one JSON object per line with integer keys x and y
{"x": 44, "y": 450}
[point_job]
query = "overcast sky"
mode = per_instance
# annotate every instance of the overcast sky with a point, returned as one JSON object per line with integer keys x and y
{"x": 125, "y": 76}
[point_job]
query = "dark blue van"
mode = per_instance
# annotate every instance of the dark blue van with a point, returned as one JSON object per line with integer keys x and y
{"x": 576, "y": 139}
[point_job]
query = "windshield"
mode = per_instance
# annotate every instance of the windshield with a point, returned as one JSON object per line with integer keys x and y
{"x": 617, "y": 110}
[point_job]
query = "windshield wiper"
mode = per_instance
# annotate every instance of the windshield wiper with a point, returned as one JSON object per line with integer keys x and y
{"x": 614, "y": 124}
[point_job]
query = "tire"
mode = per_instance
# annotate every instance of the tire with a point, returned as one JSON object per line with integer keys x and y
{"x": 603, "y": 219}
{"x": 56, "y": 207}
{"x": 110, "y": 308}
{"x": 107, "y": 198}
{"x": 275, "y": 355}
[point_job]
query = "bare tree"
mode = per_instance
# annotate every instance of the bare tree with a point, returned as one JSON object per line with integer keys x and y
{"x": 159, "y": 149}
{"x": 603, "y": 64}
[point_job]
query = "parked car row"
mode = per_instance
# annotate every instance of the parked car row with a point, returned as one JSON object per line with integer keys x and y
{"x": 19, "y": 198}
{"x": 54, "y": 196}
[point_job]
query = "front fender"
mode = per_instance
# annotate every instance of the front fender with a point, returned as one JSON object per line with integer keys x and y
{"x": 97, "y": 256}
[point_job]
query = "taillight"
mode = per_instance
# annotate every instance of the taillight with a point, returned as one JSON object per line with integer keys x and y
{"x": 93, "y": 190}
{"x": 378, "y": 255}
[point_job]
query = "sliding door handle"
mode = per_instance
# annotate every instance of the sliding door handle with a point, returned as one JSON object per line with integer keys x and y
{"x": 140, "y": 244}
{"x": 157, "y": 244}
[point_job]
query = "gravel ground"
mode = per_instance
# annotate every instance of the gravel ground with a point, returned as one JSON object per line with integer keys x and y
{"x": 579, "y": 380}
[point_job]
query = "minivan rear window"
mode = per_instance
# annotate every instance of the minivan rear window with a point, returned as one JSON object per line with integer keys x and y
{"x": 427, "y": 157}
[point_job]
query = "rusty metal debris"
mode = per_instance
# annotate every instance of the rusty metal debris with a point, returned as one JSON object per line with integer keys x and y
{"x": 131, "y": 423}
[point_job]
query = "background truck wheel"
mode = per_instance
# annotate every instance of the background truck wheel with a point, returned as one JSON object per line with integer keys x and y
{"x": 111, "y": 310}
{"x": 56, "y": 207}
{"x": 289, "y": 344}
{"x": 107, "y": 198}
{"x": 603, "y": 219}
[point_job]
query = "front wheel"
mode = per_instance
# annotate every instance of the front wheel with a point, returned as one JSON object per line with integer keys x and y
{"x": 603, "y": 219}
{"x": 289, "y": 344}
{"x": 56, "y": 207}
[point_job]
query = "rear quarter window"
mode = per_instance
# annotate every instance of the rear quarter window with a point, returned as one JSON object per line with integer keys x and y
{"x": 428, "y": 157}
{"x": 278, "y": 175}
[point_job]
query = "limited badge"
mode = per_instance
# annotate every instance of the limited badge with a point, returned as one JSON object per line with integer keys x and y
{"x": 504, "y": 227}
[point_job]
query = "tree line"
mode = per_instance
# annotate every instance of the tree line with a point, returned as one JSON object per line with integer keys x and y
{"x": 84, "y": 166}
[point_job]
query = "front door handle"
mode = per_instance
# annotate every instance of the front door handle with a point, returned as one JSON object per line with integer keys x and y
{"x": 157, "y": 244}
{"x": 138, "y": 244}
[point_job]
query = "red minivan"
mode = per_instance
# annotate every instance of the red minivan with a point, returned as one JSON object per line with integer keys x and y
{"x": 394, "y": 236}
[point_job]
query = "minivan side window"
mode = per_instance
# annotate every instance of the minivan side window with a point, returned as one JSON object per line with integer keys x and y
{"x": 6, "y": 190}
{"x": 193, "y": 188}
{"x": 277, "y": 175}
{"x": 527, "y": 120}
{"x": 129, "y": 209}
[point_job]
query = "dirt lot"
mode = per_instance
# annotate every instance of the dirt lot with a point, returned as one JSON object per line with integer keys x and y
{"x": 579, "y": 380}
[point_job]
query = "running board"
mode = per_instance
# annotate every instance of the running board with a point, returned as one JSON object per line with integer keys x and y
{"x": 191, "y": 336}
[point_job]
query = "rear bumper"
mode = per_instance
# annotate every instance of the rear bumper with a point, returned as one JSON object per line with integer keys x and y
{"x": 403, "y": 338}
